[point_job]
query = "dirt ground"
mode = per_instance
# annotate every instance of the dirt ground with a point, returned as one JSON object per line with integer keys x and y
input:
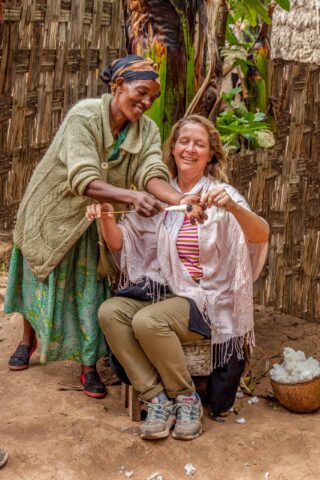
{"x": 54, "y": 432}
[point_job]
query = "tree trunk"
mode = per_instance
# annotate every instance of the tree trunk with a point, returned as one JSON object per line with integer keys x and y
{"x": 179, "y": 35}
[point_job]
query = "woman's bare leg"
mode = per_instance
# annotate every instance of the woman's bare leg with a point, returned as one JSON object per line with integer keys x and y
{"x": 29, "y": 334}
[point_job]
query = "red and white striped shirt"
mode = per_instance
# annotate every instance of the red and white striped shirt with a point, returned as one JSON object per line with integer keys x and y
{"x": 188, "y": 248}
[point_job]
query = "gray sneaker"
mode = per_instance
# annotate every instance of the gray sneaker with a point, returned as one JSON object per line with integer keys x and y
{"x": 160, "y": 419}
{"x": 188, "y": 422}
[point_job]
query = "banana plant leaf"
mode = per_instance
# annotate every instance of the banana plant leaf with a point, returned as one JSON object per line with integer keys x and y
{"x": 174, "y": 33}
{"x": 165, "y": 30}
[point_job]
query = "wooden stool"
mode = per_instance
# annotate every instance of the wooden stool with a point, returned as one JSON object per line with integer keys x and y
{"x": 198, "y": 358}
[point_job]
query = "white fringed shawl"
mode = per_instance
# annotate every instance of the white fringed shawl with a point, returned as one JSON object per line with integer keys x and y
{"x": 230, "y": 265}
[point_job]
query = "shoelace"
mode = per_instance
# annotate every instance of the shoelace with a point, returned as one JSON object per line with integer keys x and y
{"x": 156, "y": 411}
{"x": 187, "y": 412}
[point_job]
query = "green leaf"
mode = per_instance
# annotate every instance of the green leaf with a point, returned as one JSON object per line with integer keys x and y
{"x": 229, "y": 138}
{"x": 230, "y": 36}
{"x": 240, "y": 129}
{"x": 234, "y": 53}
{"x": 261, "y": 62}
{"x": 250, "y": 136}
{"x": 239, "y": 108}
{"x": 244, "y": 65}
{"x": 259, "y": 116}
{"x": 246, "y": 45}
{"x": 259, "y": 9}
{"x": 238, "y": 10}
{"x": 228, "y": 96}
{"x": 265, "y": 139}
{"x": 285, "y": 4}
{"x": 249, "y": 116}
{"x": 230, "y": 19}
{"x": 226, "y": 115}
{"x": 251, "y": 16}
{"x": 230, "y": 143}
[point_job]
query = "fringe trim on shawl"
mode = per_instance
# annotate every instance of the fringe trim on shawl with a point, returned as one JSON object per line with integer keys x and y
{"x": 124, "y": 281}
{"x": 157, "y": 291}
{"x": 222, "y": 352}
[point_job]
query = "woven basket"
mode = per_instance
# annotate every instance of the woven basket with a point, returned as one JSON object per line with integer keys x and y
{"x": 301, "y": 397}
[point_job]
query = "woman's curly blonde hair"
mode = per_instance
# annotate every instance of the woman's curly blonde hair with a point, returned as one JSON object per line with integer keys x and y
{"x": 217, "y": 167}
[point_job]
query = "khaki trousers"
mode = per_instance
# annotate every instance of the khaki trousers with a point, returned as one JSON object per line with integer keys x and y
{"x": 146, "y": 339}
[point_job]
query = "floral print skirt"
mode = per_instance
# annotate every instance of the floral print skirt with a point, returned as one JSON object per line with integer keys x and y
{"x": 63, "y": 308}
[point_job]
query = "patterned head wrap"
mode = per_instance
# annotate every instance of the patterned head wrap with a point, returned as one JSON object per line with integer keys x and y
{"x": 132, "y": 67}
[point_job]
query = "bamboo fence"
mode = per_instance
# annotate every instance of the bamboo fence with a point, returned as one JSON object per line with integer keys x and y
{"x": 51, "y": 54}
{"x": 283, "y": 185}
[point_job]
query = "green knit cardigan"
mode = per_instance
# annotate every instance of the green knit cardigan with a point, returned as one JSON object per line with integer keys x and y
{"x": 51, "y": 217}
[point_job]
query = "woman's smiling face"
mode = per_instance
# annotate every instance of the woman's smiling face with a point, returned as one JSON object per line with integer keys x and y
{"x": 135, "y": 98}
{"x": 192, "y": 151}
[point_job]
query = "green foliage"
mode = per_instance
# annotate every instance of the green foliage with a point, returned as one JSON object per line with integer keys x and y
{"x": 249, "y": 10}
{"x": 254, "y": 12}
{"x": 243, "y": 125}
{"x": 265, "y": 139}
{"x": 237, "y": 55}
{"x": 229, "y": 96}
{"x": 156, "y": 112}
{"x": 261, "y": 63}
{"x": 285, "y": 4}
{"x": 246, "y": 16}
{"x": 230, "y": 36}
{"x": 240, "y": 128}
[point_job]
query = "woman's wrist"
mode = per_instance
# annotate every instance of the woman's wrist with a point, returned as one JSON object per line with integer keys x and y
{"x": 234, "y": 208}
{"x": 130, "y": 197}
{"x": 183, "y": 197}
{"x": 108, "y": 218}
{"x": 107, "y": 215}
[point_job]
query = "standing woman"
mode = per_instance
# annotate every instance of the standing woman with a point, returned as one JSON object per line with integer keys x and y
{"x": 102, "y": 148}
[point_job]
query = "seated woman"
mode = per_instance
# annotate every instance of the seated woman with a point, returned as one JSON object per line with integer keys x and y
{"x": 184, "y": 282}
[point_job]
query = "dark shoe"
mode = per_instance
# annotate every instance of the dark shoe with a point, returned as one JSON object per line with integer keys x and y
{"x": 21, "y": 357}
{"x": 3, "y": 457}
{"x": 93, "y": 387}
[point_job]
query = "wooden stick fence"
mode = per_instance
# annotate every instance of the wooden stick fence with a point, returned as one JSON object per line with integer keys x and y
{"x": 50, "y": 55}
{"x": 284, "y": 186}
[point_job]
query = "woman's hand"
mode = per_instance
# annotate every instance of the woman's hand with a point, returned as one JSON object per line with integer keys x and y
{"x": 95, "y": 211}
{"x": 219, "y": 198}
{"x": 167, "y": 194}
{"x": 255, "y": 229}
{"x": 111, "y": 232}
{"x": 197, "y": 213}
{"x": 146, "y": 204}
